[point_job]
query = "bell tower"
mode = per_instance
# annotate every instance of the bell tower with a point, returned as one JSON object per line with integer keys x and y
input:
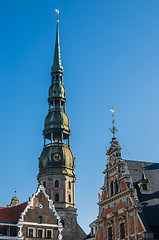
{"x": 57, "y": 163}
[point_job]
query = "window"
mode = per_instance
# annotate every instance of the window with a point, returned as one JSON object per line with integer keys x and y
{"x": 111, "y": 188}
{"x": 122, "y": 231}
{"x": 110, "y": 233}
{"x": 69, "y": 185}
{"x": 44, "y": 184}
{"x": 122, "y": 227}
{"x": 69, "y": 198}
{"x": 63, "y": 222}
{"x": 49, "y": 233}
{"x": 40, "y": 233}
{"x": 30, "y": 232}
{"x": 128, "y": 184}
{"x": 57, "y": 77}
{"x": 144, "y": 186}
{"x": 56, "y": 197}
{"x": 92, "y": 231}
{"x": 40, "y": 219}
{"x": 56, "y": 184}
{"x": 7, "y": 231}
{"x": 116, "y": 186}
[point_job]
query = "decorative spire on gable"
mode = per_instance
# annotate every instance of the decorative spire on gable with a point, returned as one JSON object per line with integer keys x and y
{"x": 143, "y": 182}
{"x": 113, "y": 129}
{"x": 114, "y": 151}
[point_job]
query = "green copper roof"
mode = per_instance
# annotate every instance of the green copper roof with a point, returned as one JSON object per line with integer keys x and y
{"x": 55, "y": 158}
{"x": 57, "y": 54}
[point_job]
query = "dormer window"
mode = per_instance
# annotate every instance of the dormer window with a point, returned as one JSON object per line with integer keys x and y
{"x": 143, "y": 182}
{"x": 144, "y": 186}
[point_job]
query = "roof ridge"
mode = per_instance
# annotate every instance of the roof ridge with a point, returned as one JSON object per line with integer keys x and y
{"x": 140, "y": 161}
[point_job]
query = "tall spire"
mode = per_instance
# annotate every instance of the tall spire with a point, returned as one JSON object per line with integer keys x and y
{"x": 57, "y": 54}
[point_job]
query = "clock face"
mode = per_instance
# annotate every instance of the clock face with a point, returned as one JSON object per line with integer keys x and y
{"x": 57, "y": 157}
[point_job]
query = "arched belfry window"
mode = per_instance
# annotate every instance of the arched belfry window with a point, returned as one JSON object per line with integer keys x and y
{"x": 56, "y": 184}
{"x": 69, "y": 198}
{"x": 56, "y": 197}
{"x": 69, "y": 185}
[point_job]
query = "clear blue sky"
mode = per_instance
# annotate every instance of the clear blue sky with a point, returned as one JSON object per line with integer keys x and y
{"x": 110, "y": 55}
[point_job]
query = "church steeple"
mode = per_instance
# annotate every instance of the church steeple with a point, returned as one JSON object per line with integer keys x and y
{"x": 57, "y": 161}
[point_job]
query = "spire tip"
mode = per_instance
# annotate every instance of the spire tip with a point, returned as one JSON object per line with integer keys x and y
{"x": 57, "y": 11}
{"x": 113, "y": 129}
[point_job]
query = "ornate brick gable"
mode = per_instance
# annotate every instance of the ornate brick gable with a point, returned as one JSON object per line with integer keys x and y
{"x": 128, "y": 195}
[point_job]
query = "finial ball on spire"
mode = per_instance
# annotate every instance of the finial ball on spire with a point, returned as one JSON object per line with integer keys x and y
{"x": 112, "y": 110}
{"x": 57, "y": 11}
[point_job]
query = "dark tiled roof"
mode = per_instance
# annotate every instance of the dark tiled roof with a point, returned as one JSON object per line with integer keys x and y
{"x": 11, "y": 215}
{"x": 150, "y": 201}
